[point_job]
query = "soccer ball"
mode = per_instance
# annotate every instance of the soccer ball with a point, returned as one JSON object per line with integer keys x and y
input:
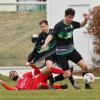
{"x": 88, "y": 78}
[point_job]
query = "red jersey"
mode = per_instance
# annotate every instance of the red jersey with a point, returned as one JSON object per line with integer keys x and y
{"x": 30, "y": 80}
{"x": 24, "y": 83}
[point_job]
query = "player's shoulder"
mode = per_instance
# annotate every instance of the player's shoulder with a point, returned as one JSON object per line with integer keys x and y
{"x": 75, "y": 22}
{"x": 59, "y": 24}
{"x": 40, "y": 34}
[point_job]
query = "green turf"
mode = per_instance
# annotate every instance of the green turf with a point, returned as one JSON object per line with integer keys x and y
{"x": 16, "y": 29}
{"x": 67, "y": 94}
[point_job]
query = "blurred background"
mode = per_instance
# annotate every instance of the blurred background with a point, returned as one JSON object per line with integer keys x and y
{"x": 19, "y": 20}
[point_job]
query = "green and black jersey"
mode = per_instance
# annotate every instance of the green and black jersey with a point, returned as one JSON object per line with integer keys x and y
{"x": 41, "y": 40}
{"x": 63, "y": 35}
{"x": 35, "y": 54}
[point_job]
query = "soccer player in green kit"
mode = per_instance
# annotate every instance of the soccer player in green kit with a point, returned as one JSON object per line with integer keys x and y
{"x": 35, "y": 55}
{"x": 63, "y": 34}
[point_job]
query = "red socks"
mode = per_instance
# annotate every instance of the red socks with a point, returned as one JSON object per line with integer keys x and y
{"x": 55, "y": 86}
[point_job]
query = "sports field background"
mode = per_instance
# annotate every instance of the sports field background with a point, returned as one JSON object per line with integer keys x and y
{"x": 67, "y": 94}
{"x": 16, "y": 29}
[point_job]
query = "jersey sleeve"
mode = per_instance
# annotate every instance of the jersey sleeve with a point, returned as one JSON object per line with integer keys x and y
{"x": 33, "y": 73}
{"x": 55, "y": 30}
{"x": 36, "y": 69}
{"x": 8, "y": 87}
{"x": 29, "y": 74}
{"x": 32, "y": 55}
{"x": 76, "y": 25}
{"x": 38, "y": 43}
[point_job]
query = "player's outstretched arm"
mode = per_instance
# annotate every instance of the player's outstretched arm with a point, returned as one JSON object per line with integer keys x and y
{"x": 31, "y": 57}
{"x": 36, "y": 69}
{"x": 86, "y": 17}
{"x": 48, "y": 39}
{"x": 6, "y": 86}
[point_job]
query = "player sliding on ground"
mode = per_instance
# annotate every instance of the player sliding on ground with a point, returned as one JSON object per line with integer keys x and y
{"x": 33, "y": 80}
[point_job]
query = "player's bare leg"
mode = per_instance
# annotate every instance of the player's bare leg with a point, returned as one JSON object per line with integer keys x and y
{"x": 84, "y": 67}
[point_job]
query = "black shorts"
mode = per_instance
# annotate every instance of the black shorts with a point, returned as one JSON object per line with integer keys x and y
{"x": 52, "y": 58}
{"x": 62, "y": 60}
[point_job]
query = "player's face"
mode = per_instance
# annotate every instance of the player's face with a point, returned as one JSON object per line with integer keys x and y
{"x": 13, "y": 75}
{"x": 69, "y": 19}
{"x": 44, "y": 28}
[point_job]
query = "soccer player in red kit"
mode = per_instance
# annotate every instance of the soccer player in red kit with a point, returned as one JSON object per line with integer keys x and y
{"x": 33, "y": 80}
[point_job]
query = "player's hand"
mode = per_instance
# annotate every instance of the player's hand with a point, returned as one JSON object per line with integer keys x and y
{"x": 44, "y": 47}
{"x": 27, "y": 64}
{"x": 1, "y": 82}
{"x": 86, "y": 16}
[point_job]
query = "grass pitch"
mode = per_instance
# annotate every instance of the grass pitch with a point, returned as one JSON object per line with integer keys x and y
{"x": 66, "y": 94}
{"x": 16, "y": 29}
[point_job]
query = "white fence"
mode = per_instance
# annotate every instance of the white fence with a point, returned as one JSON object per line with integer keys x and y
{"x": 20, "y": 6}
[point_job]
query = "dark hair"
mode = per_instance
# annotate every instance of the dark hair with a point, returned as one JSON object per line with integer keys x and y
{"x": 43, "y": 21}
{"x": 69, "y": 11}
{"x": 15, "y": 77}
{"x": 12, "y": 71}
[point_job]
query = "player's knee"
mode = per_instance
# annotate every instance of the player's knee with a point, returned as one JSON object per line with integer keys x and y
{"x": 84, "y": 68}
{"x": 83, "y": 65}
{"x": 67, "y": 74}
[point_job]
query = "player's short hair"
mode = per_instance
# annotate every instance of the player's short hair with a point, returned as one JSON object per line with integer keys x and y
{"x": 43, "y": 21}
{"x": 69, "y": 11}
